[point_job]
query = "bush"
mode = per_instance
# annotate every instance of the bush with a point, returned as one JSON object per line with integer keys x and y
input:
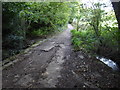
{"x": 39, "y": 33}
{"x": 86, "y": 40}
{"x": 83, "y": 39}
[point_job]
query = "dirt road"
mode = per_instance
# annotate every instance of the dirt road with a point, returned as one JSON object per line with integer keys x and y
{"x": 41, "y": 66}
{"x": 54, "y": 64}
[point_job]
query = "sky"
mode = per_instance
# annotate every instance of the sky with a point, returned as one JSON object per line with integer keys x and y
{"x": 107, "y": 2}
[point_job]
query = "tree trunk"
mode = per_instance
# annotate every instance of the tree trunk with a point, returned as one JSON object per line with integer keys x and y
{"x": 116, "y": 6}
{"x": 77, "y": 24}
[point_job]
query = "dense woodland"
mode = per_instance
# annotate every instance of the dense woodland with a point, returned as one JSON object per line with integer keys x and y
{"x": 96, "y": 31}
{"x": 25, "y": 20}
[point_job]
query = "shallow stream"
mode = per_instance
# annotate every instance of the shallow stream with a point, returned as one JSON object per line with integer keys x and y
{"x": 109, "y": 63}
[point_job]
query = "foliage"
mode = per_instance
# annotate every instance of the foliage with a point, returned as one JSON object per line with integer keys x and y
{"x": 97, "y": 31}
{"x": 23, "y": 20}
{"x": 86, "y": 40}
{"x": 83, "y": 39}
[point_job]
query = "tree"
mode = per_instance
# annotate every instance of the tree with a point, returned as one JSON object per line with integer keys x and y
{"x": 116, "y": 6}
{"x": 23, "y": 20}
{"x": 96, "y": 18}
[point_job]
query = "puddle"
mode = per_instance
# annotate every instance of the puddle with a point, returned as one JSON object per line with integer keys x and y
{"x": 109, "y": 63}
{"x": 70, "y": 26}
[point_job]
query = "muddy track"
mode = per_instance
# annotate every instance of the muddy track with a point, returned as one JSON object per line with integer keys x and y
{"x": 41, "y": 66}
{"x": 53, "y": 64}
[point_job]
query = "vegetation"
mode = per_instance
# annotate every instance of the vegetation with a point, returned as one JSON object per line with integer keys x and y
{"x": 97, "y": 31}
{"x": 25, "y": 20}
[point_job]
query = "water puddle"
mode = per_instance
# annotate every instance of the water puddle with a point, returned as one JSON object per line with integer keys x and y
{"x": 109, "y": 63}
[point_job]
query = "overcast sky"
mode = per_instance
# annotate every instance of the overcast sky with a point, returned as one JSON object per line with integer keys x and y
{"x": 107, "y": 2}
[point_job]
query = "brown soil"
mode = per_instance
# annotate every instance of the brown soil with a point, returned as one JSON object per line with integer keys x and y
{"x": 55, "y": 64}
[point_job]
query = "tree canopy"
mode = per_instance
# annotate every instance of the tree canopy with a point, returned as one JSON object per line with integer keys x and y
{"x": 96, "y": 30}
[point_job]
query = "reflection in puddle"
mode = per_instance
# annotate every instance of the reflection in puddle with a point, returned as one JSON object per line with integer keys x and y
{"x": 109, "y": 63}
